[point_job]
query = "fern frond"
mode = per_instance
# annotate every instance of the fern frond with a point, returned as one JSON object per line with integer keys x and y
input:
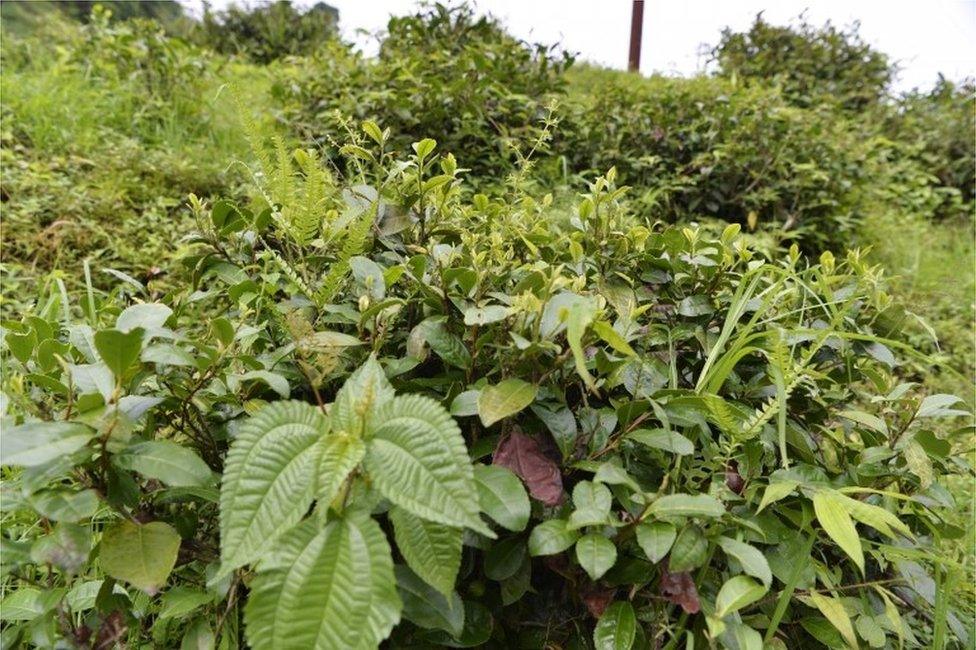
{"x": 354, "y": 244}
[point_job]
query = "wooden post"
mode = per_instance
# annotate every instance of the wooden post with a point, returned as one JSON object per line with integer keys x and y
{"x": 636, "y": 25}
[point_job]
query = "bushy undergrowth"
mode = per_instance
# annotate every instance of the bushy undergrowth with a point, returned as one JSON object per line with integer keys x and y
{"x": 673, "y": 437}
{"x": 264, "y": 33}
{"x": 427, "y": 393}
{"x": 445, "y": 73}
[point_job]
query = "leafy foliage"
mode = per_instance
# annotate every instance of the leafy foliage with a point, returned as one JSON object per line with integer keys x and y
{"x": 813, "y": 64}
{"x": 443, "y": 73}
{"x": 268, "y": 31}
{"x": 674, "y": 431}
{"x": 387, "y": 398}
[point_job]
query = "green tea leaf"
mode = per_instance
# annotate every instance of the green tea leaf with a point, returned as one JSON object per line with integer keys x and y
{"x": 833, "y": 516}
{"x": 736, "y": 593}
{"x": 687, "y": 505}
{"x": 502, "y": 496}
{"x": 551, "y": 537}
{"x": 617, "y": 628}
{"x": 596, "y": 554}
{"x": 663, "y": 439}
{"x": 166, "y": 461}
{"x": 655, "y": 539}
{"x": 119, "y": 350}
{"x": 500, "y": 401}
{"x": 141, "y": 554}
{"x": 753, "y": 562}
{"x": 35, "y": 443}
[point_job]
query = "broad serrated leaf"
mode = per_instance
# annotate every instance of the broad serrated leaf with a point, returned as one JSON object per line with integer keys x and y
{"x": 269, "y": 479}
{"x": 357, "y": 402}
{"x": 617, "y": 628}
{"x": 596, "y": 554}
{"x": 323, "y": 587}
{"x": 500, "y": 401}
{"x": 502, "y": 496}
{"x": 431, "y": 549}
{"x": 753, "y": 562}
{"x": 36, "y": 443}
{"x": 655, "y": 539}
{"x": 340, "y": 453}
{"x": 836, "y": 522}
{"x": 426, "y": 607}
{"x": 166, "y": 461}
{"x": 141, "y": 554}
{"x": 416, "y": 458}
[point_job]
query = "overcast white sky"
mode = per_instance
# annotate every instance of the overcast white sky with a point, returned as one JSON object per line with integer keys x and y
{"x": 925, "y": 36}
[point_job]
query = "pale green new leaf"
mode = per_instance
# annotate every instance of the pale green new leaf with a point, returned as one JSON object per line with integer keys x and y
{"x": 36, "y": 443}
{"x": 833, "y": 610}
{"x": 141, "y": 554}
{"x": 833, "y": 516}
{"x": 753, "y": 562}
{"x": 357, "y": 402}
{"x": 432, "y": 550}
{"x": 416, "y": 458}
{"x": 500, "y": 401}
{"x": 340, "y": 453}
{"x": 324, "y": 588}
{"x": 596, "y": 554}
{"x": 655, "y": 539}
{"x": 269, "y": 479}
{"x": 736, "y": 593}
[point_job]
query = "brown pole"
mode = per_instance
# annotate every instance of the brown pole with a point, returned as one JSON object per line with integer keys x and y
{"x": 636, "y": 25}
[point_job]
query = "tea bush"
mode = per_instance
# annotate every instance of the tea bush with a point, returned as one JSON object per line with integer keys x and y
{"x": 441, "y": 418}
{"x": 708, "y": 147}
{"x": 813, "y": 65}
{"x": 938, "y": 129}
{"x": 268, "y": 31}
{"x": 444, "y": 72}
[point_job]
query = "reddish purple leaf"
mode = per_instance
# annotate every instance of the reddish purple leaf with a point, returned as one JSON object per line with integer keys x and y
{"x": 734, "y": 480}
{"x": 680, "y": 589}
{"x": 521, "y": 454}
{"x": 597, "y": 600}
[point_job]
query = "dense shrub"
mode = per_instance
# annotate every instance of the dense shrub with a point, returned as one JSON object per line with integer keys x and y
{"x": 937, "y": 130}
{"x": 675, "y": 440}
{"x": 709, "y": 147}
{"x": 813, "y": 65}
{"x": 268, "y": 31}
{"x": 445, "y": 73}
